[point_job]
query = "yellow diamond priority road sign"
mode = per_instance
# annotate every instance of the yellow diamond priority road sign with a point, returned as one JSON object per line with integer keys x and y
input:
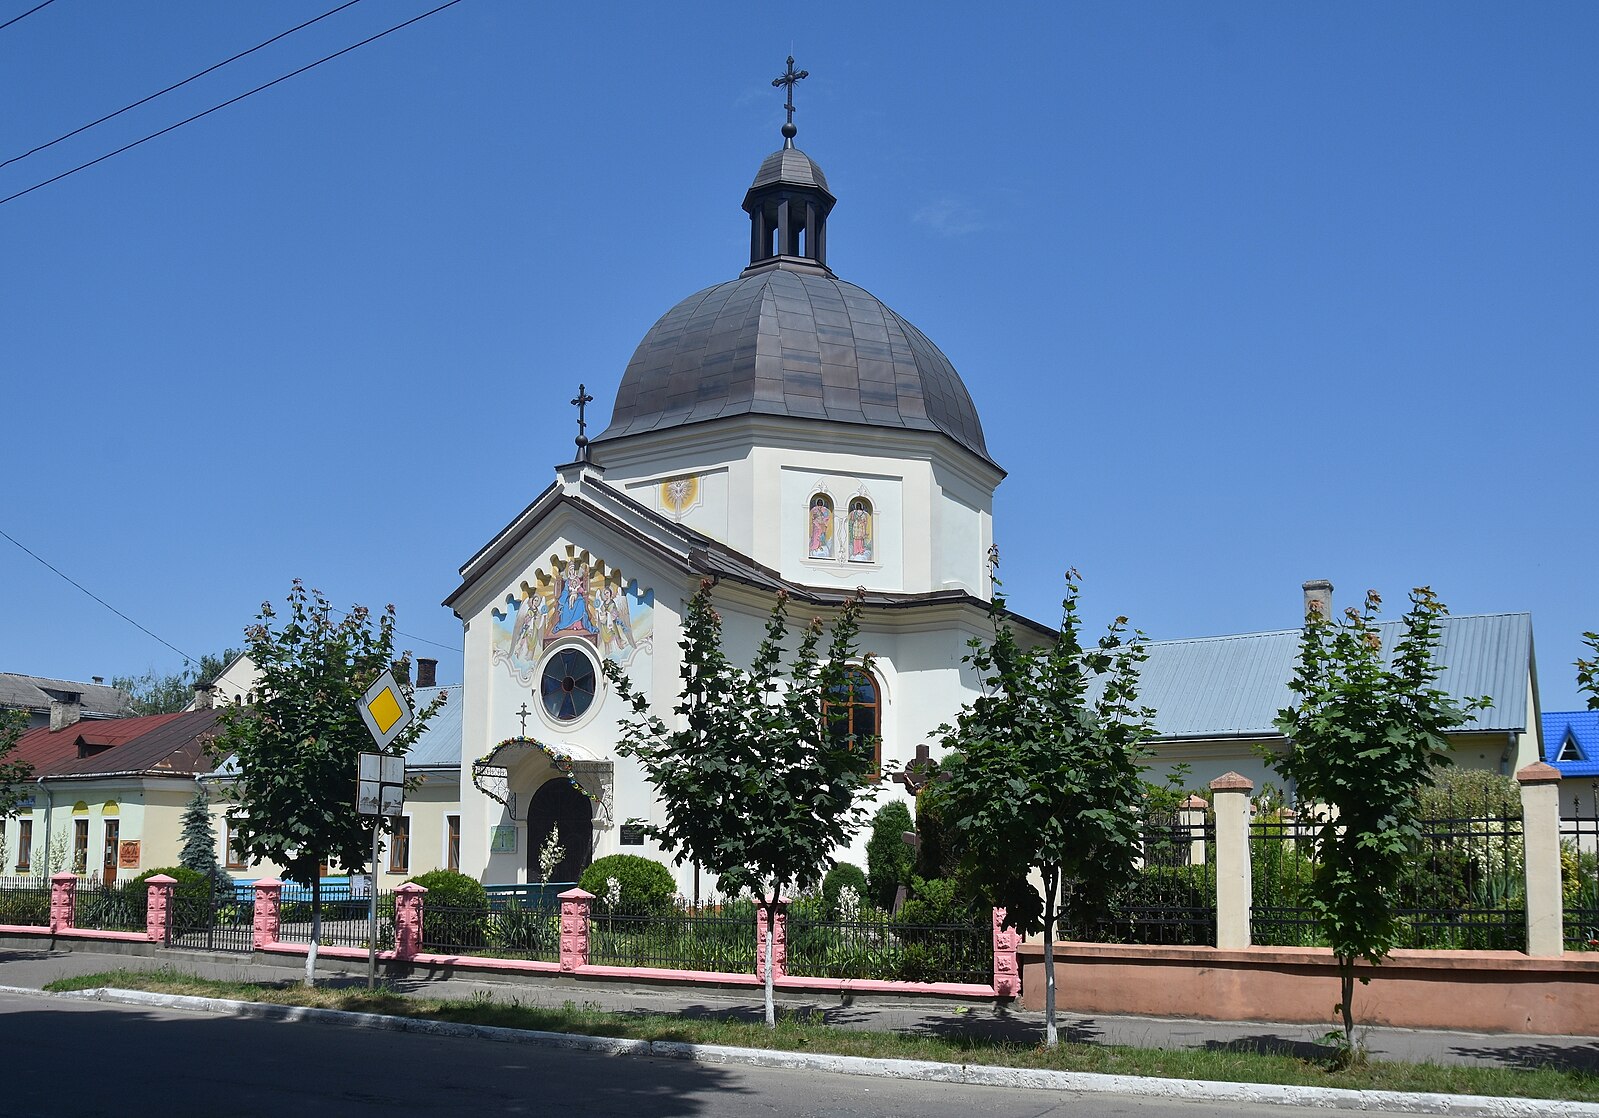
{"x": 385, "y": 710}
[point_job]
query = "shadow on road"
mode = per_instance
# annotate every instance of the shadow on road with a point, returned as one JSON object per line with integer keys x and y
{"x": 1566, "y": 1057}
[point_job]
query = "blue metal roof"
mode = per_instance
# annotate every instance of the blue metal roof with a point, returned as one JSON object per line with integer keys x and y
{"x": 1579, "y": 726}
{"x": 1234, "y": 686}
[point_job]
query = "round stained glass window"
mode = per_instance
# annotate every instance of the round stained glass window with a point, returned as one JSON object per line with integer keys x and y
{"x": 567, "y": 687}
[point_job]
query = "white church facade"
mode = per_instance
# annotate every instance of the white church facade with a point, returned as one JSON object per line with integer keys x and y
{"x": 782, "y": 431}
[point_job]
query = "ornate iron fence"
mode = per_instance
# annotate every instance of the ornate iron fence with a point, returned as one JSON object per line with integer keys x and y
{"x": 344, "y": 922}
{"x": 1172, "y": 897}
{"x": 220, "y": 922}
{"x": 719, "y": 936}
{"x": 875, "y": 945}
{"x": 111, "y": 908}
{"x": 513, "y": 931}
{"x": 1464, "y": 884}
{"x": 1579, "y": 871}
{"x": 25, "y": 901}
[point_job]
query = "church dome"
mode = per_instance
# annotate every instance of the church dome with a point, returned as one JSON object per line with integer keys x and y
{"x": 789, "y": 338}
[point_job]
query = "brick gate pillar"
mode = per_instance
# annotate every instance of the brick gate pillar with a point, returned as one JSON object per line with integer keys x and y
{"x": 575, "y": 904}
{"x": 158, "y": 907}
{"x": 1007, "y": 976}
{"x": 1233, "y": 883}
{"x": 408, "y": 920}
{"x": 63, "y": 901}
{"x": 779, "y": 941}
{"x": 268, "y": 912}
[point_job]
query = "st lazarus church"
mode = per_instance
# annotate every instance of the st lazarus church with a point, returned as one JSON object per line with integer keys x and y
{"x": 733, "y": 452}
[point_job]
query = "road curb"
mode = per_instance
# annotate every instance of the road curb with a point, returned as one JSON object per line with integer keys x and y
{"x": 1193, "y": 1090}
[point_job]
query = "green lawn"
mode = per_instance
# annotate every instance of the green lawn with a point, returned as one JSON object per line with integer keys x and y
{"x": 802, "y": 1036}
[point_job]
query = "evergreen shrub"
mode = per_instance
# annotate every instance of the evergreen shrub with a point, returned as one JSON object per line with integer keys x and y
{"x": 889, "y": 858}
{"x": 646, "y": 885}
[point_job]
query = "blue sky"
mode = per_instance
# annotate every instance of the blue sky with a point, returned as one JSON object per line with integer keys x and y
{"x": 1245, "y": 293}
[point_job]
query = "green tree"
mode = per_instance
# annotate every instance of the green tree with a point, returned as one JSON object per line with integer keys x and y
{"x": 296, "y": 749}
{"x": 14, "y": 772}
{"x": 1365, "y": 732}
{"x": 152, "y": 693}
{"x": 1044, "y": 774}
{"x": 199, "y": 837}
{"x": 889, "y": 858}
{"x": 1588, "y": 670}
{"x": 759, "y": 785}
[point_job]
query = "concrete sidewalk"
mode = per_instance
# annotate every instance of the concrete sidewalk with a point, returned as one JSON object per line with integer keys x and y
{"x": 35, "y": 968}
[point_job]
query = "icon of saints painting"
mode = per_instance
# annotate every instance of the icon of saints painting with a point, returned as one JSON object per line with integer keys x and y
{"x": 574, "y": 598}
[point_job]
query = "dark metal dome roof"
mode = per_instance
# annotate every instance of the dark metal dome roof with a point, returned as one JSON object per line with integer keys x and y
{"x": 786, "y": 340}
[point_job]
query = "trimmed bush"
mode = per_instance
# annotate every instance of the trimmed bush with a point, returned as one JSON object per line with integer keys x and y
{"x": 645, "y": 884}
{"x": 452, "y": 889}
{"x": 839, "y": 876}
{"x": 889, "y": 858}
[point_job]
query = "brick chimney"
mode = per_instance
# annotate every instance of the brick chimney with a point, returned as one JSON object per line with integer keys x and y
{"x": 427, "y": 672}
{"x": 1318, "y": 598}
{"x": 203, "y": 696}
{"x": 66, "y": 710}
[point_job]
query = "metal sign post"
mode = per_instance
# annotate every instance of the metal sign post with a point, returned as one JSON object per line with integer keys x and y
{"x": 380, "y": 786}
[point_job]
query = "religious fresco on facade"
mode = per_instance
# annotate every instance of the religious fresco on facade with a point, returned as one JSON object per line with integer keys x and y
{"x": 577, "y": 596}
{"x": 821, "y": 527}
{"x": 680, "y": 494}
{"x": 860, "y": 530}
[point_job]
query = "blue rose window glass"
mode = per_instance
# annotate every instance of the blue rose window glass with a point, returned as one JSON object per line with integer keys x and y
{"x": 567, "y": 686}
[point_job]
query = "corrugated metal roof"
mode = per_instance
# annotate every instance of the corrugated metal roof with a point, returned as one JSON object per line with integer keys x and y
{"x": 34, "y": 692}
{"x": 439, "y": 747}
{"x": 1582, "y": 726}
{"x": 1235, "y": 685}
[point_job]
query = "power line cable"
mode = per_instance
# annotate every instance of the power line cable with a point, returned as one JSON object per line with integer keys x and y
{"x": 230, "y": 101}
{"x": 96, "y": 597}
{"x": 25, "y": 15}
{"x": 177, "y": 85}
{"x": 403, "y": 633}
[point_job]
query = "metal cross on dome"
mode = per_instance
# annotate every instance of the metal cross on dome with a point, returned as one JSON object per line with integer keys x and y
{"x": 788, "y": 78}
{"x": 522, "y": 714}
{"x": 581, "y": 400}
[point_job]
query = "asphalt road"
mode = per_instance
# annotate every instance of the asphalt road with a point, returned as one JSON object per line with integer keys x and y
{"x": 84, "y": 1059}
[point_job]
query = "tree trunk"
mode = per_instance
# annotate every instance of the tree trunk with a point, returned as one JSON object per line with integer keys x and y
{"x": 1346, "y": 992}
{"x": 771, "y": 934}
{"x": 1050, "y": 1036}
{"x": 316, "y": 928}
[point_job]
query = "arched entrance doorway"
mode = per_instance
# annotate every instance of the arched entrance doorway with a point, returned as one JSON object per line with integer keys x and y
{"x": 559, "y": 807}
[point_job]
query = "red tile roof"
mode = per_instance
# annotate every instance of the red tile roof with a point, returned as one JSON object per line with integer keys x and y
{"x": 155, "y": 744}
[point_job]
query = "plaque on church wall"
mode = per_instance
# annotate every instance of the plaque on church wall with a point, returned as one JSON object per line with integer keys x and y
{"x": 632, "y": 834}
{"x": 502, "y": 840}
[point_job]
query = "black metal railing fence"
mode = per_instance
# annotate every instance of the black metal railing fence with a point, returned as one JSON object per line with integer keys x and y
{"x": 1171, "y": 897}
{"x": 514, "y": 930}
{"x": 25, "y": 901}
{"x": 1579, "y": 870}
{"x": 873, "y": 944}
{"x": 717, "y": 935}
{"x": 344, "y": 922}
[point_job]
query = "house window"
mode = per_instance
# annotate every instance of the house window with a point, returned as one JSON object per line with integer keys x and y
{"x": 24, "y": 845}
{"x": 452, "y": 842}
{"x": 80, "y": 846}
{"x": 1569, "y": 750}
{"x": 400, "y": 845}
{"x": 233, "y": 851}
{"x": 853, "y": 714}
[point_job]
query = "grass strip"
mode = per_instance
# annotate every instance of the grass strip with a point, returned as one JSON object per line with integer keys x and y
{"x": 797, "y": 1035}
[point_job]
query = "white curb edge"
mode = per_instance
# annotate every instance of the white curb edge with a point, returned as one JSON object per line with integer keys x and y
{"x": 1196, "y": 1090}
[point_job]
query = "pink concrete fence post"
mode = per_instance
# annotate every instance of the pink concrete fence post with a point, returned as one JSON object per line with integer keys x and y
{"x": 158, "y": 908}
{"x": 1007, "y": 974}
{"x": 779, "y": 940}
{"x": 408, "y": 920}
{"x": 63, "y": 901}
{"x": 575, "y": 905}
{"x": 268, "y": 912}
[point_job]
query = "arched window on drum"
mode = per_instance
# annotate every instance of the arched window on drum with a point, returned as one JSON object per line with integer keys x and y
{"x": 862, "y": 528}
{"x": 820, "y": 527}
{"x": 854, "y": 714}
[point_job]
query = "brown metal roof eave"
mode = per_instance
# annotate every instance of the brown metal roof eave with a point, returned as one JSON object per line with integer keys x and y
{"x": 147, "y": 773}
